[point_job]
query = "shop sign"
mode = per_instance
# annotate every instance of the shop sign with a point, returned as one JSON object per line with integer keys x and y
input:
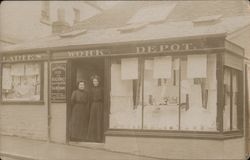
{"x": 185, "y": 45}
{"x": 58, "y": 82}
{"x": 165, "y": 48}
{"x": 81, "y": 53}
{"x": 24, "y": 57}
{"x": 234, "y": 61}
{"x": 146, "y": 48}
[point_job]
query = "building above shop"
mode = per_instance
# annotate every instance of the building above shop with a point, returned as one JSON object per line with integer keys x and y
{"x": 124, "y": 23}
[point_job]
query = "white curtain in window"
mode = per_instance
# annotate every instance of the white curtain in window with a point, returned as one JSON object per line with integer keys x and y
{"x": 162, "y": 67}
{"x": 129, "y": 68}
{"x": 17, "y": 69}
{"x": 197, "y": 66}
{"x": 176, "y": 64}
{"x": 32, "y": 69}
{"x": 119, "y": 87}
{"x": 149, "y": 64}
{"x": 6, "y": 78}
{"x": 195, "y": 97}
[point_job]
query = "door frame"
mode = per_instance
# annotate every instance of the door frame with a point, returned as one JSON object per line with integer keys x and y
{"x": 106, "y": 94}
{"x": 247, "y": 68}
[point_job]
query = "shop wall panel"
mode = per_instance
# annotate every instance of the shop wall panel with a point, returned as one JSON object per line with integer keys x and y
{"x": 58, "y": 122}
{"x": 234, "y": 148}
{"x": 174, "y": 148}
{"x": 26, "y": 120}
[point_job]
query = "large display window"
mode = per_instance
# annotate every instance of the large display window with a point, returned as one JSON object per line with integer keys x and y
{"x": 21, "y": 82}
{"x": 176, "y": 93}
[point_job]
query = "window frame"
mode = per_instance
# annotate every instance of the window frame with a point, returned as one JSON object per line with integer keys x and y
{"x": 240, "y": 93}
{"x": 14, "y": 102}
{"x": 219, "y": 134}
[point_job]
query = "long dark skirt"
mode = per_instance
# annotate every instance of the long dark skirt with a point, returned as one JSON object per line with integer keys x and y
{"x": 79, "y": 122}
{"x": 95, "y": 122}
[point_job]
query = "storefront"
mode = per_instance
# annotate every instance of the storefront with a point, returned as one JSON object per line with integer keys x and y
{"x": 176, "y": 95}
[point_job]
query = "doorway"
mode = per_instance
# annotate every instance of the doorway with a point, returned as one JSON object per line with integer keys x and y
{"x": 82, "y": 70}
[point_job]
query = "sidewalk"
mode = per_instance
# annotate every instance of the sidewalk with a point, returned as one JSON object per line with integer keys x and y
{"x": 26, "y": 149}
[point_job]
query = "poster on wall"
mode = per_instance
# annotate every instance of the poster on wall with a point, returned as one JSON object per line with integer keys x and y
{"x": 58, "y": 82}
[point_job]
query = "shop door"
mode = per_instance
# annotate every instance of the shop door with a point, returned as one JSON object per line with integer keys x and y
{"x": 92, "y": 123}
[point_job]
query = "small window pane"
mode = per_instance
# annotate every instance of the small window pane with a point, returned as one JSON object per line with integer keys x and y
{"x": 198, "y": 93}
{"x": 232, "y": 106}
{"x": 161, "y": 95}
{"x": 126, "y": 105}
{"x": 227, "y": 93}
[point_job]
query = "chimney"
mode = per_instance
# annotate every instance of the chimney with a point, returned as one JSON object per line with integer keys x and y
{"x": 60, "y": 25}
{"x": 77, "y": 15}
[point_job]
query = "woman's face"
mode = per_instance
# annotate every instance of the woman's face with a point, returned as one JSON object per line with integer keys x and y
{"x": 81, "y": 86}
{"x": 95, "y": 82}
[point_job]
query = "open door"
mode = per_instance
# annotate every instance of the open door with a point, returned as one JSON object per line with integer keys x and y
{"x": 82, "y": 70}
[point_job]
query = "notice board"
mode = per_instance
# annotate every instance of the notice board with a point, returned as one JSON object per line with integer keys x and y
{"x": 58, "y": 82}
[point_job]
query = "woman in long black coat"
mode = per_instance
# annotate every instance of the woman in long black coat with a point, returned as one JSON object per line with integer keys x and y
{"x": 96, "y": 110}
{"x": 80, "y": 112}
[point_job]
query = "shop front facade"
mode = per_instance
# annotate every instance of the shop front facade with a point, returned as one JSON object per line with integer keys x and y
{"x": 164, "y": 98}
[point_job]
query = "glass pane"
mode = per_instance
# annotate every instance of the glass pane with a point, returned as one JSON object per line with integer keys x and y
{"x": 198, "y": 93}
{"x": 231, "y": 113}
{"x": 161, "y": 93}
{"x": 227, "y": 93}
{"x": 234, "y": 100}
{"x": 21, "y": 82}
{"x": 125, "y": 102}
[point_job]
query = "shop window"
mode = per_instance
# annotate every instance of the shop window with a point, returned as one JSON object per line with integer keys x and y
{"x": 232, "y": 106}
{"x": 178, "y": 93}
{"x": 21, "y": 82}
{"x": 126, "y": 87}
{"x": 161, "y": 93}
{"x": 198, "y": 107}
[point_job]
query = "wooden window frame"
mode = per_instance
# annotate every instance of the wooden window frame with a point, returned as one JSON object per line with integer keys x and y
{"x": 26, "y": 102}
{"x": 240, "y": 93}
{"x": 215, "y": 135}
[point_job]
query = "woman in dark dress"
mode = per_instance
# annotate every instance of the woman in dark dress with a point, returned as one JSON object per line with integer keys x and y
{"x": 80, "y": 112}
{"x": 96, "y": 110}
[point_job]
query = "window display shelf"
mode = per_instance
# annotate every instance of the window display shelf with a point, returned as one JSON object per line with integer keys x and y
{"x": 174, "y": 134}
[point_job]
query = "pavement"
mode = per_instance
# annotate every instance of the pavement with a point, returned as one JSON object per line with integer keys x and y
{"x": 18, "y": 148}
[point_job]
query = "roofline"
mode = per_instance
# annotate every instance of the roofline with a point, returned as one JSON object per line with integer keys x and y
{"x": 235, "y": 33}
{"x": 71, "y": 47}
{"x": 90, "y": 3}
